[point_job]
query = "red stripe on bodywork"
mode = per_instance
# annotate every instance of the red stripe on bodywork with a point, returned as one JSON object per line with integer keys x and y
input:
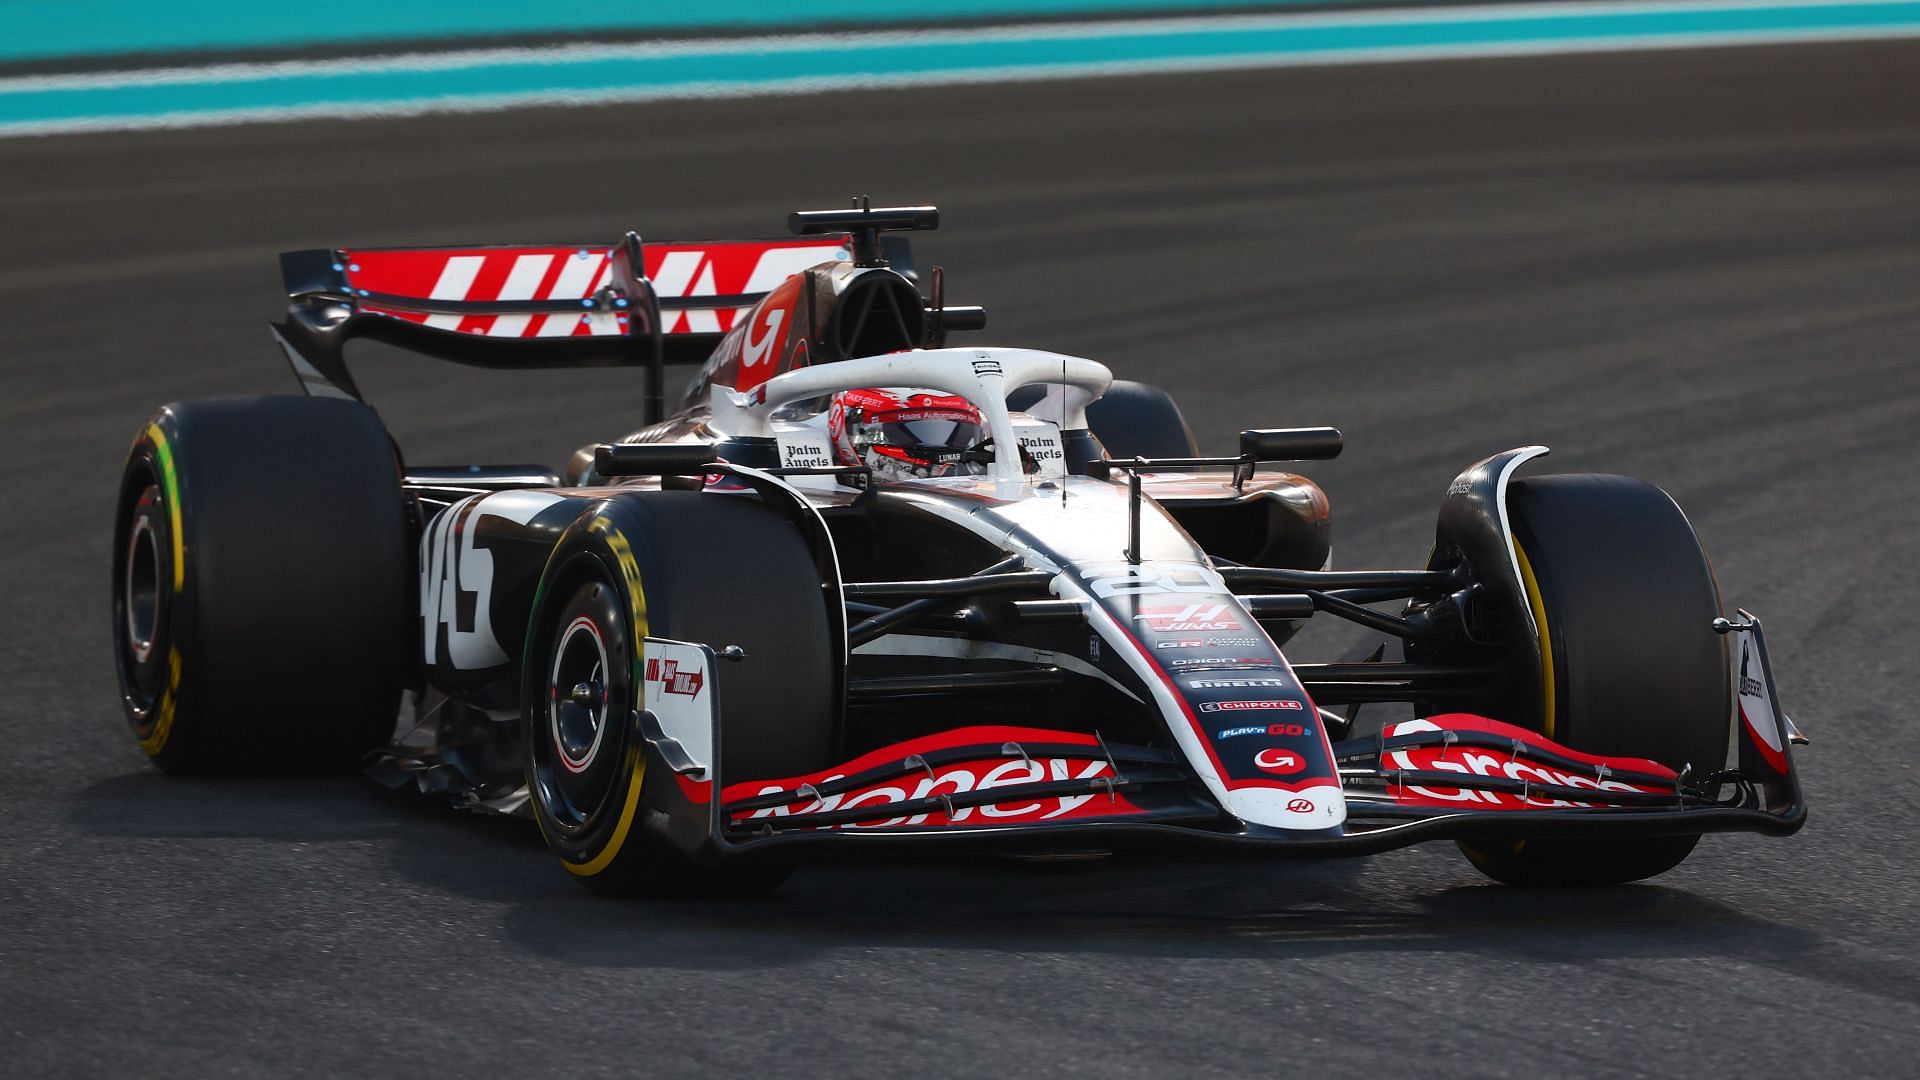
{"x": 699, "y": 792}
{"x": 1776, "y": 759}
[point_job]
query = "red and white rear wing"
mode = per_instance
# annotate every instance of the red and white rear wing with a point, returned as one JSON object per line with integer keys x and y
{"x": 572, "y": 291}
{"x": 535, "y": 306}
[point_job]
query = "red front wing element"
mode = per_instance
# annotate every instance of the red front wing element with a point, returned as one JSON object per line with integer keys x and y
{"x": 963, "y": 762}
{"x": 1538, "y": 764}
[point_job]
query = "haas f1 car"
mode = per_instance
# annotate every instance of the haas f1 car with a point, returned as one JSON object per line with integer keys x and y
{"x": 864, "y": 592}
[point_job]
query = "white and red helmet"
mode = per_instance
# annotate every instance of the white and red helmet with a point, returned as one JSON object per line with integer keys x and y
{"x": 900, "y": 433}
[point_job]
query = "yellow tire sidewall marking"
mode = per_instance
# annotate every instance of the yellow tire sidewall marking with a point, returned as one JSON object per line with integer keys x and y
{"x": 637, "y": 610}
{"x": 156, "y": 738}
{"x": 1539, "y": 609}
{"x": 170, "y": 483}
{"x": 627, "y": 813}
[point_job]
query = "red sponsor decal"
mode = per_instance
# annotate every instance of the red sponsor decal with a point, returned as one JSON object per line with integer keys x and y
{"x": 1276, "y": 759}
{"x": 881, "y": 406}
{"x": 1005, "y": 775}
{"x": 686, "y": 683}
{"x": 1512, "y": 764}
{"x": 763, "y": 337}
{"x": 760, "y": 343}
{"x": 1300, "y": 806}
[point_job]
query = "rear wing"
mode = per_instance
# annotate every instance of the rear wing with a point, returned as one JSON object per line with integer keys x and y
{"x": 538, "y": 306}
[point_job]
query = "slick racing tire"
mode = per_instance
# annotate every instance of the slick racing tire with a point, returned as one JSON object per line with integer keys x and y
{"x": 1625, "y": 599}
{"x": 262, "y": 575}
{"x": 717, "y": 570}
{"x": 1136, "y": 419}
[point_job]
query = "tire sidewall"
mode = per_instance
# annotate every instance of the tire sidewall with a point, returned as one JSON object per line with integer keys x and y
{"x": 152, "y": 690}
{"x": 287, "y": 581}
{"x": 592, "y": 844}
{"x": 667, "y": 560}
{"x": 1597, "y": 637}
{"x": 1573, "y": 636}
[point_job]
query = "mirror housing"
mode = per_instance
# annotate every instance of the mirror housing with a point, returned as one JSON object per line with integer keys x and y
{"x": 1291, "y": 444}
{"x": 653, "y": 459}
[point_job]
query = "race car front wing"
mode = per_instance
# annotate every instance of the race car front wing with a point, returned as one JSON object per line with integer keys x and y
{"x": 1002, "y": 788}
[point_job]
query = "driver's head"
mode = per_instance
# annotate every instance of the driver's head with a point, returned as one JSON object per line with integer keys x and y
{"x": 901, "y": 433}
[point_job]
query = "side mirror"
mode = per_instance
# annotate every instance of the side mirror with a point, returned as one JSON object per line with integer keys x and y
{"x": 1291, "y": 444}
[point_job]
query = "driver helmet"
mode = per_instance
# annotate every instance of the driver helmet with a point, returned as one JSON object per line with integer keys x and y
{"x": 901, "y": 433}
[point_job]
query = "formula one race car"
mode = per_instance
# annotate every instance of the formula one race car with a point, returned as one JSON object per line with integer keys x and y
{"x": 866, "y": 593}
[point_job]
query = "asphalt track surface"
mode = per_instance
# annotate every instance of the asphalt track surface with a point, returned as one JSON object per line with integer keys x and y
{"x": 1700, "y": 268}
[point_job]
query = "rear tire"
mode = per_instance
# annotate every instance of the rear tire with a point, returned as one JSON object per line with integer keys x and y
{"x": 1136, "y": 419}
{"x": 261, "y": 586}
{"x": 717, "y": 570}
{"x": 1625, "y": 599}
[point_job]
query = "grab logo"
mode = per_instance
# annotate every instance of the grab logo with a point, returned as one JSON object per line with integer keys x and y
{"x": 1279, "y": 760}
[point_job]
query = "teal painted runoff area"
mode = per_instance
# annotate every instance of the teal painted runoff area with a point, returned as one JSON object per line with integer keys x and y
{"x": 578, "y": 74}
{"x": 43, "y": 29}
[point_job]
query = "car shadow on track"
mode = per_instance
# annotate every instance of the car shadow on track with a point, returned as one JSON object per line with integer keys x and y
{"x": 423, "y": 839}
{"x": 1411, "y": 902}
{"x": 1416, "y": 901}
{"x": 150, "y": 804}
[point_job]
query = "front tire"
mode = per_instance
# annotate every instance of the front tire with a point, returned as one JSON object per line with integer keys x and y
{"x": 717, "y": 570}
{"x": 261, "y": 580}
{"x": 1624, "y": 596}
